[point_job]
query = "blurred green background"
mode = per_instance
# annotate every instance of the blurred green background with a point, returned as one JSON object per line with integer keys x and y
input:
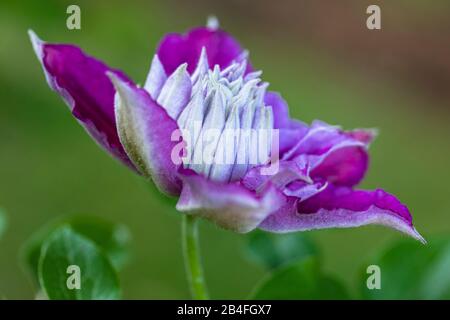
{"x": 318, "y": 54}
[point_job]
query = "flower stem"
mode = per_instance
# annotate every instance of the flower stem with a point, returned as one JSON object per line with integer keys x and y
{"x": 192, "y": 260}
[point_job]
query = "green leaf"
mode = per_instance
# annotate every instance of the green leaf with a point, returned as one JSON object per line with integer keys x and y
{"x": 3, "y": 222}
{"x": 274, "y": 250}
{"x": 300, "y": 280}
{"x": 112, "y": 238}
{"x": 65, "y": 249}
{"x": 411, "y": 270}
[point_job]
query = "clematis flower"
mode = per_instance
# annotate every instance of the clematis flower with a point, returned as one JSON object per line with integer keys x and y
{"x": 204, "y": 78}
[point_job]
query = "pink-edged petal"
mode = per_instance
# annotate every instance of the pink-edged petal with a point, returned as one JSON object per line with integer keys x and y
{"x": 319, "y": 139}
{"x": 82, "y": 83}
{"x": 347, "y": 161}
{"x": 345, "y": 165}
{"x": 287, "y": 172}
{"x": 342, "y": 207}
{"x": 229, "y": 205}
{"x": 338, "y": 156}
{"x": 364, "y": 135}
{"x": 303, "y": 190}
{"x": 145, "y": 130}
{"x": 176, "y": 49}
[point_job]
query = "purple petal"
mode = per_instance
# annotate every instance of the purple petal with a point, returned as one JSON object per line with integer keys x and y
{"x": 303, "y": 190}
{"x": 82, "y": 83}
{"x": 343, "y": 166}
{"x": 291, "y": 131}
{"x": 288, "y": 171}
{"x": 289, "y": 138}
{"x": 176, "y": 49}
{"x": 332, "y": 154}
{"x": 145, "y": 130}
{"x": 319, "y": 139}
{"x": 364, "y": 135}
{"x": 342, "y": 207}
{"x": 230, "y": 205}
{"x": 341, "y": 160}
{"x": 280, "y": 109}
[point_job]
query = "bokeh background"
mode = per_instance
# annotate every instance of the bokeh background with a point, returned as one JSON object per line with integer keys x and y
{"x": 318, "y": 54}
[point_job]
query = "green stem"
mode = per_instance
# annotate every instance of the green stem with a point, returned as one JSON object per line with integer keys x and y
{"x": 192, "y": 260}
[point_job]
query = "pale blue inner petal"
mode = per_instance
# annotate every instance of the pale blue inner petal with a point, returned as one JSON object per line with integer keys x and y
{"x": 222, "y": 118}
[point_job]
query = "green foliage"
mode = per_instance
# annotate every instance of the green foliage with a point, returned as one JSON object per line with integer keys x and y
{"x": 65, "y": 248}
{"x": 3, "y": 222}
{"x": 295, "y": 268}
{"x": 410, "y": 270}
{"x": 111, "y": 238}
{"x": 96, "y": 246}
{"x": 274, "y": 250}
{"x": 300, "y": 280}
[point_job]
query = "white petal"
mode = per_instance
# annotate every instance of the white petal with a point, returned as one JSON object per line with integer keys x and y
{"x": 214, "y": 123}
{"x": 156, "y": 78}
{"x": 253, "y": 75}
{"x": 226, "y": 72}
{"x": 212, "y": 23}
{"x": 264, "y": 141}
{"x": 242, "y": 158}
{"x": 202, "y": 67}
{"x": 243, "y": 98}
{"x": 191, "y": 120}
{"x": 176, "y": 92}
{"x": 227, "y": 148}
{"x": 239, "y": 72}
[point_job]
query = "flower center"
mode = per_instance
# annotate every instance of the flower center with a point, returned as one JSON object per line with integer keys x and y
{"x": 226, "y": 125}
